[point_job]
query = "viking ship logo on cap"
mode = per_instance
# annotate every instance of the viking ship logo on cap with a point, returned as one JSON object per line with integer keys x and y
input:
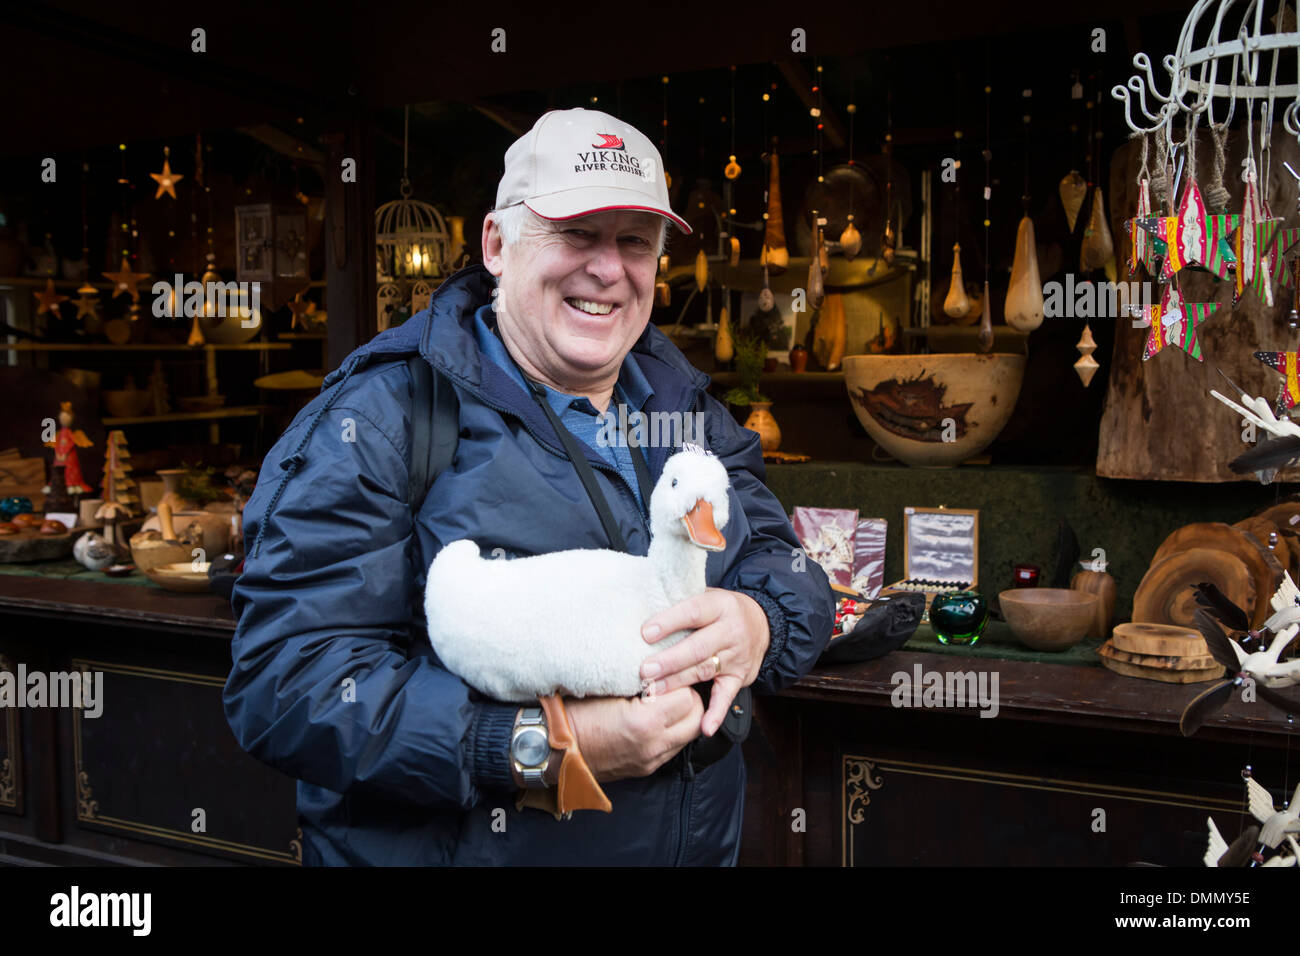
{"x": 610, "y": 142}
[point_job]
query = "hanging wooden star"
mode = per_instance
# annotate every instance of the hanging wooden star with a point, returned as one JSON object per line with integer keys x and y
{"x": 300, "y": 310}
{"x": 1173, "y": 323}
{"x": 1144, "y": 247}
{"x": 1193, "y": 236}
{"x": 1284, "y": 363}
{"x": 87, "y": 302}
{"x": 1252, "y": 242}
{"x": 166, "y": 180}
{"x": 1275, "y": 262}
{"x": 124, "y": 280}
{"x": 49, "y": 299}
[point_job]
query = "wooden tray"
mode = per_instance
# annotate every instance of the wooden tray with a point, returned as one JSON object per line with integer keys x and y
{"x": 1162, "y": 640}
{"x": 1155, "y": 673}
{"x": 1155, "y": 661}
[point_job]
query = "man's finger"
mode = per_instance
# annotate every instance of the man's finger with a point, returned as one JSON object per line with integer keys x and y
{"x": 725, "y": 689}
{"x": 683, "y": 657}
{"x": 695, "y": 612}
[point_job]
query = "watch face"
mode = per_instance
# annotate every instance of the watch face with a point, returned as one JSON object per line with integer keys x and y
{"x": 530, "y": 747}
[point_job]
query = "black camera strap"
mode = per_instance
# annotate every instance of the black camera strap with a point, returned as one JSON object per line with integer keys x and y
{"x": 587, "y": 475}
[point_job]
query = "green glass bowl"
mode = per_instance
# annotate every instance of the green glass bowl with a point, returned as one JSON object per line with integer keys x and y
{"x": 959, "y": 618}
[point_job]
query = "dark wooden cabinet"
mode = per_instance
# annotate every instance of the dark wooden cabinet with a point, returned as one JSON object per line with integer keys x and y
{"x": 157, "y": 777}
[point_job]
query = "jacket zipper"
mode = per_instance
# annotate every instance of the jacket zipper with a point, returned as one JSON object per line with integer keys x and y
{"x": 688, "y": 784}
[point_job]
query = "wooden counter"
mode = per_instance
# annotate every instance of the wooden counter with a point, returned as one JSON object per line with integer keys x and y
{"x": 156, "y": 778}
{"x": 876, "y": 784}
{"x": 1079, "y": 767}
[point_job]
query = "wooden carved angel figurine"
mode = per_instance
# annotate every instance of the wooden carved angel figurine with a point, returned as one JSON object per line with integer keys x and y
{"x": 65, "y": 444}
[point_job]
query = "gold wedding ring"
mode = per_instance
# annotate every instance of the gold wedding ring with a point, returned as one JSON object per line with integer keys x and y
{"x": 717, "y": 665}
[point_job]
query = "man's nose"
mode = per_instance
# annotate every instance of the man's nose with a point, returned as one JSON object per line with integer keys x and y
{"x": 606, "y": 262}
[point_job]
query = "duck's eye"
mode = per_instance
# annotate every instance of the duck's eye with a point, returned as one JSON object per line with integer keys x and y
{"x": 674, "y": 482}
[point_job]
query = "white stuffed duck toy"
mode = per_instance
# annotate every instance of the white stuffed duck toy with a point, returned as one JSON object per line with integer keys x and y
{"x": 569, "y": 623}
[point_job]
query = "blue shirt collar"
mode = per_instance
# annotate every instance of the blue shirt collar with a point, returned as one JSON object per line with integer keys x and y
{"x": 635, "y": 388}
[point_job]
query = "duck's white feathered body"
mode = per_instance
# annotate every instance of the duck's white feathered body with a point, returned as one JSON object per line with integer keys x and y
{"x": 570, "y": 622}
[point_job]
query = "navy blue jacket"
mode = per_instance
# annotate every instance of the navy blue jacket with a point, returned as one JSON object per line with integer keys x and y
{"x": 333, "y": 679}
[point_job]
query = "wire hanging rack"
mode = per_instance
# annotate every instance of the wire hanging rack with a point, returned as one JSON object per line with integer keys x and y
{"x": 1195, "y": 72}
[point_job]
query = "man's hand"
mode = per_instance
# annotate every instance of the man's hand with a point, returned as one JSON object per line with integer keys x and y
{"x": 634, "y": 737}
{"x": 728, "y": 624}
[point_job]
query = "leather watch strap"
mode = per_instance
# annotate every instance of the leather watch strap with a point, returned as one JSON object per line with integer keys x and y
{"x": 576, "y": 788}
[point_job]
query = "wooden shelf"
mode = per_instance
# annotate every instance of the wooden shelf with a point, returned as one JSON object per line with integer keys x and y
{"x": 141, "y": 347}
{"x": 235, "y": 411}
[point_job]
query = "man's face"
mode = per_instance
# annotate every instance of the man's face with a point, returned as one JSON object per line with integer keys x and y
{"x": 575, "y": 295}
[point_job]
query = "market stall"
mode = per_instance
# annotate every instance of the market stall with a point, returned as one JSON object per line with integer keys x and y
{"x": 1021, "y": 359}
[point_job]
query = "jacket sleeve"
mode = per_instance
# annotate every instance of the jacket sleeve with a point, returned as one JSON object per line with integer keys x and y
{"x": 767, "y": 562}
{"x": 322, "y": 686}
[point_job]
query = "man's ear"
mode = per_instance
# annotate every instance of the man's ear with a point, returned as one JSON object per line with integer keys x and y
{"x": 493, "y": 247}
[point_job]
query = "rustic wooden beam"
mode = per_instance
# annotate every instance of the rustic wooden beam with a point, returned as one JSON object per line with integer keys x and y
{"x": 351, "y": 287}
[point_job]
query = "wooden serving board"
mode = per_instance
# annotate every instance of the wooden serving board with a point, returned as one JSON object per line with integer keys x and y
{"x": 1165, "y": 594}
{"x": 28, "y": 546}
{"x": 1157, "y": 662}
{"x": 1265, "y": 569}
{"x": 1159, "y": 640}
{"x": 1154, "y": 673}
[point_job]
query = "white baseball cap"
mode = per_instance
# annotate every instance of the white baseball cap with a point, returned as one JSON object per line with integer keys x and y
{"x": 577, "y": 162}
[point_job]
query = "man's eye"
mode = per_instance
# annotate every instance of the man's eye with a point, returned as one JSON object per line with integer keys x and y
{"x": 578, "y": 233}
{"x": 637, "y": 240}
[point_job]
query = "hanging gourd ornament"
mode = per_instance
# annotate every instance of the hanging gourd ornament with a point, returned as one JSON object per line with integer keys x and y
{"x": 775, "y": 256}
{"x": 701, "y": 270}
{"x": 956, "y": 305}
{"x": 850, "y": 240}
{"x": 1024, "y": 308}
{"x": 732, "y": 169}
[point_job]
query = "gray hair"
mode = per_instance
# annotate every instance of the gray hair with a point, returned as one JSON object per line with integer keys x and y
{"x": 511, "y": 220}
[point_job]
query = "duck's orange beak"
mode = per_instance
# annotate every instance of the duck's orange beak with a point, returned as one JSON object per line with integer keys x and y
{"x": 700, "y": 527}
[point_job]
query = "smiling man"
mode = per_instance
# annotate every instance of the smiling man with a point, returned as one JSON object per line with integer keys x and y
{"x": 334, "y": 681}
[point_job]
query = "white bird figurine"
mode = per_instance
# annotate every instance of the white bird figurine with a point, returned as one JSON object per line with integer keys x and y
{"x": 569, "y": 622}
{"x": 93, "y": 552}
{"x": 1275, "y": 825}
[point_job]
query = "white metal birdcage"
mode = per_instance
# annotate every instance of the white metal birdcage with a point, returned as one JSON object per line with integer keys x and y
{"x": 1223, "y": 58}
{"x": 411, "y": 239}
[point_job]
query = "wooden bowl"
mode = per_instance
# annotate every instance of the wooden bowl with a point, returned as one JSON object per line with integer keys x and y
{"x": 1048, "y": 619}
{"x": 127, "y": 403}
{"x": 148, "y": 552}
{"x": 180, "y": 577}
{"x": 934, "y": 410}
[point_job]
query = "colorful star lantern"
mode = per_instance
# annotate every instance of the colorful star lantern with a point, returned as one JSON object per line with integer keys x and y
{"x": 1254, "y": 240}
{"x": 124, "y": 280}
{"x": 49, "y": 300}
{"x": 166, "y": 180}
{"x": 1284, "y": 363}
{"x": 1193, "y": 236}
{"x": 1174, "y": 322}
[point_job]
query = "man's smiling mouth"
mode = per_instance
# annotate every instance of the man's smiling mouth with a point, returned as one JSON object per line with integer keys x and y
{"x": 590, "y": 308}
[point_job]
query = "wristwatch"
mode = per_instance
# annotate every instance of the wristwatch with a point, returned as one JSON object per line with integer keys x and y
{"x": 530, "y": 749}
